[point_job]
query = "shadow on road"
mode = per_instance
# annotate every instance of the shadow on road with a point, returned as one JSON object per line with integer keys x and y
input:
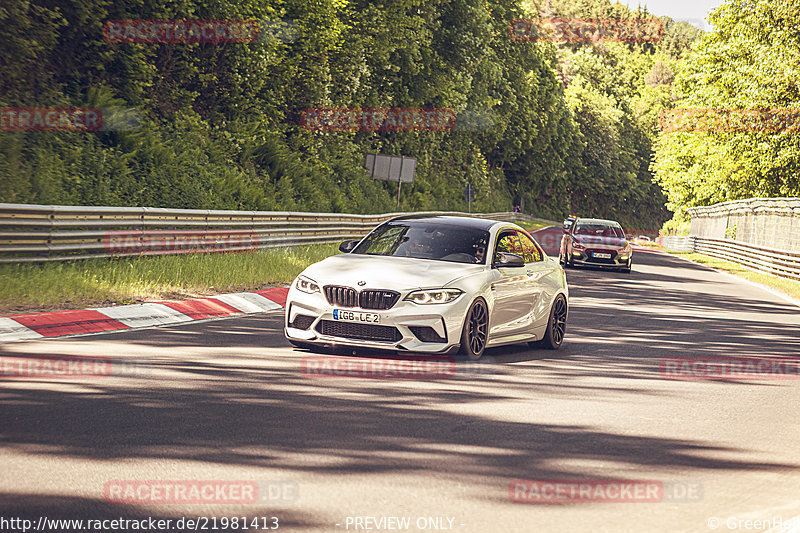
{"x": 252, "y": 414}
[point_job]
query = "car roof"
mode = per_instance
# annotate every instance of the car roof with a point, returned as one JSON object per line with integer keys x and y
{"x": 599, "y": 221}
{"x": 450, "y": 220}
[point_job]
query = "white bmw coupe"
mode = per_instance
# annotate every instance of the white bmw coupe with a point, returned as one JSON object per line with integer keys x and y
{"x": 427, "y": 284}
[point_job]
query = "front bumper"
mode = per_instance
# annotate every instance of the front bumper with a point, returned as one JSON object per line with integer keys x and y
{"x": 405, "y": 327}
{"x": 587, "y": 257}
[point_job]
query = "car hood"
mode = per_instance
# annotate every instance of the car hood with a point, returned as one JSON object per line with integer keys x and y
{"x": 595, "y": 241}
{"x": 382, "y": 272}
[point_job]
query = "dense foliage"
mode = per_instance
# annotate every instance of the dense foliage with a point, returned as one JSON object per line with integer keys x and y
{"x": 747, "y": 70}
{"x": 571, "y": 126}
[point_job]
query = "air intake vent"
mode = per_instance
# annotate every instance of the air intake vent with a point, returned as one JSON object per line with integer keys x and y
{"x": 302, "y": 321}
{"x": 426, "y": 334}
{"x": 364, "y": 332}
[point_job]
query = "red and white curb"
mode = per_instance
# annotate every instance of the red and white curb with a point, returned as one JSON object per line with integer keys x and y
{"x": 118, "y": 318}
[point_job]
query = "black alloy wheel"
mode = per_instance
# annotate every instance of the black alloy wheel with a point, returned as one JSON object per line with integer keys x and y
{"x": 475, "y": 331}
{"x": 556, "y": 325}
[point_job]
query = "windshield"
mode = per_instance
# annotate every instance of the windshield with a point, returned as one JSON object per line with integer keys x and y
{"x": 599, "y": 230}
{"x": 425, "y": 240}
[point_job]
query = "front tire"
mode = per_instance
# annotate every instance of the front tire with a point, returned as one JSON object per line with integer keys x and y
{"x": 475, "y": 331}
{"x": 627, "y": 269}
{"x": 556, "y": 325}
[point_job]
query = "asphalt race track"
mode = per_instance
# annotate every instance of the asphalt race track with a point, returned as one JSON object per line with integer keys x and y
{"x": 230, "y": 400}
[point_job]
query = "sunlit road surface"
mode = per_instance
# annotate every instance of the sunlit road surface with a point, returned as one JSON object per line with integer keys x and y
{"x": 230, "y": 400}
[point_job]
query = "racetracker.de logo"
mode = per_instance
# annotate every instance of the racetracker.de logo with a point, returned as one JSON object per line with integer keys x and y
{"x": 721, "y": 120}
{"x": 51, "y": 119}
{"x": 378, "y": 119}
{"x": 156, "y": 242}
{"x": 181, "y": 31}
{"x": 389, "y": 368}
{"x": 585, "y": 491}
{"x": 690, "y": 368}
{"x": 584, "y": 31}
{"x": 136, "y": 492}
{"x": 54, "y": 367}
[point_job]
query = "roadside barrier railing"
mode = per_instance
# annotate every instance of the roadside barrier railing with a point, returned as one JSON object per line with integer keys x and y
{"x": 782, "y": 263}
{"x": 31, "y": 233}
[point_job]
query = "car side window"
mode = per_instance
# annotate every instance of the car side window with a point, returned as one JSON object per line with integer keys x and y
{"x": 506, "y": 243}
{"x": 530, "y": 252}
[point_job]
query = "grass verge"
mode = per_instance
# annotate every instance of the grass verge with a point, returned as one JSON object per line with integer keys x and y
{"x": 786, "y": 286}
{"x": 533, "y": 225}
{"x": 27, "y": 287}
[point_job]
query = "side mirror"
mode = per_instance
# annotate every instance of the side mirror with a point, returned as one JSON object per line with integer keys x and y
{"x": 347, "y": 246}
{"x": 508, "y": 260}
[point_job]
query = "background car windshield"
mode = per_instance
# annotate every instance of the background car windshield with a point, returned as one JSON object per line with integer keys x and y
{"x": 599, "y": 230}
{"x": 427, "y": 241}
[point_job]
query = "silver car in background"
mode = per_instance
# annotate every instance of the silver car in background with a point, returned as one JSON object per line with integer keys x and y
{"x": 431, "y": 284}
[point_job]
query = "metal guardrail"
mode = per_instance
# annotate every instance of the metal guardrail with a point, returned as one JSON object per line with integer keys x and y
{"x": 678, "y": 243}
{"x": 768, "y": 222}
{"x": 32, "y": 233}
{"x": 782, "y": 263}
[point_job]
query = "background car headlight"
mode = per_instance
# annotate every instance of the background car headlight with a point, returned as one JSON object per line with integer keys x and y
{"x": 306, "y": 285}
{"x": 435, "y": 296}
{"x": 578, "y": 246}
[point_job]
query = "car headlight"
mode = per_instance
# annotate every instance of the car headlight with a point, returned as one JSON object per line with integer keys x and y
{"x": 306, "y": 285}
{"x": 577, "y": 245}
{"x": 435, "y": 296}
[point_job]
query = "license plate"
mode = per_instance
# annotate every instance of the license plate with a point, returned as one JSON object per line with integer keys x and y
{"x": 353, "y": 316}
{"x": 600, "y": 255}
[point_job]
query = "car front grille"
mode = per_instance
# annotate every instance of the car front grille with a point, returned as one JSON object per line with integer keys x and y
{"x": 591, "y": 259}
{"x": 377, "y": 299}
{"x": 352, "y": 330}
{"x": 366, "y": 299}
{"x": 341, "y": 296}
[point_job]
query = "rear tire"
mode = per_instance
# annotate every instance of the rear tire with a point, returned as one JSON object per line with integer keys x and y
{"x": 475, "y": 331}
{"x": 556, "y": 325}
